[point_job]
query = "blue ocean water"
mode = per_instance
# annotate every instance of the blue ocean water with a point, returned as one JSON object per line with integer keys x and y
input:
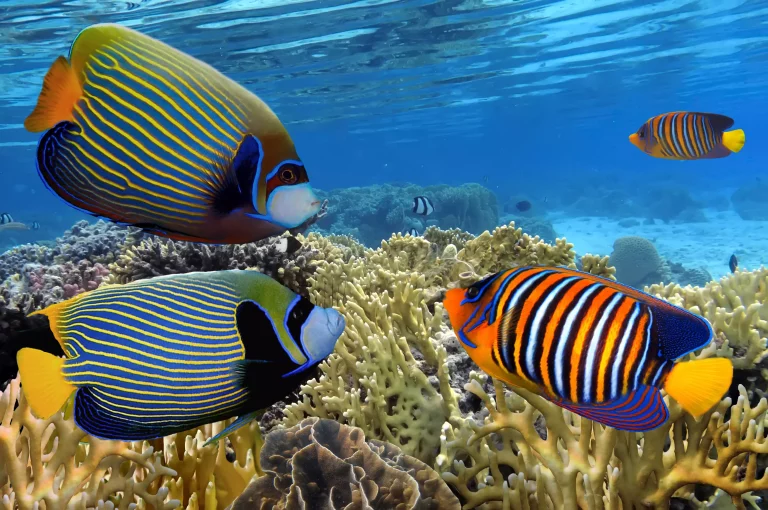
{"x": 533, "y": 98}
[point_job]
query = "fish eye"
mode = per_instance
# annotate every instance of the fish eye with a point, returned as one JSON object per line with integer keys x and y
{"x": 472, "y": 292}
{"x": 641, "y": 133}
{"x": 288, "y": 175}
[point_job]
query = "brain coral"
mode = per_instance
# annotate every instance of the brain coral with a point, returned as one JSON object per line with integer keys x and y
{"x": 324, "y": 465}
{"x": 635, "y": 259}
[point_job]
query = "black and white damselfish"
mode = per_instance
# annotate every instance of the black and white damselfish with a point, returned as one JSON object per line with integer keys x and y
{"x": 423, "y": 206}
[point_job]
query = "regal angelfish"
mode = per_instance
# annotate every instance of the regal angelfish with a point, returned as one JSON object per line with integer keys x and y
{"x": 144, "y": 135}
{"x": 593, "y": 346}
{"x": 164, "y": 355}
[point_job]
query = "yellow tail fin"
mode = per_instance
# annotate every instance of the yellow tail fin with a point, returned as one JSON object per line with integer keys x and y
{"x": 44, "y": 385}
{"x": 61, "y": 90}
{"x": 734, "y": 140}
{"x": 700, "y": 384}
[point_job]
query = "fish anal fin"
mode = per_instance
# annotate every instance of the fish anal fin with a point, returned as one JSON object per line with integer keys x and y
{"x": 61, "y": 90}
{"x": 233, "y": 187}
{"x": 640, "y": 410}
{"x": 241, "y": 421}
{"x": 699, "y": 384}
{"x": 44, "y": 385}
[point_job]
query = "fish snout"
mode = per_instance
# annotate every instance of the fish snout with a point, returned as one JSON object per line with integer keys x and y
{"x": 322, "y": 329}
{"x": 634, "y": 139}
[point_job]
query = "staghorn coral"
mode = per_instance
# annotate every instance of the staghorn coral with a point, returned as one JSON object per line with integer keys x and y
{"x": 443, "y": 238}
{"x": 56, "y": 462}
{"x": 598, "y": 265}
{"x": 324, "y": 465}
{"x": 737, "y": 308}
{"x": 505, "y": 462}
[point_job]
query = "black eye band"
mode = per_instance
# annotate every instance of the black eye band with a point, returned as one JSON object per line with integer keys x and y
{"x": 297, "y": 316}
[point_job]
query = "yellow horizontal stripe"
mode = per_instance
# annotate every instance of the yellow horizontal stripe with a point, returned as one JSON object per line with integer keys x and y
{"x": 162, "y": 66}
{"x": 139, "y": 287}
{"x": 123, "y": 368}
{"x": 97, "y": 383}
{"x": 153, "y": 212}
{"x": 151, "y": 154}
{"x": 73, "y": 327}
{"x": 71, "y": 375}
{"x": 226, "y": 369}
{"x": 229, "y": 328}
{"x": 206, "y": 292}
{"x": 114, "y": 97}
{"x": 69, "y": 340}
{"x": 237, "y": 396}
{"x": 144, "y": 420}
{"x": 182, "y": 65}
{"x": 70, "y": 310}
{"x": 169, "y": 100}
{"x": 119, "y": 84}
{"x": 170, "y": 198}
{"x": 73, "y": 322}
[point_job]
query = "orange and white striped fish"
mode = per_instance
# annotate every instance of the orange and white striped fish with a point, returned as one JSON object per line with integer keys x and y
{"x": 688, "y": 135}
{"x": 593, "y": 346}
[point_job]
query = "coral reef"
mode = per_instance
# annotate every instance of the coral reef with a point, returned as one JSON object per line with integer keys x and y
{"x": 322, "y": 464}
{"x": 749, "y": 201}
{"x": 636, "y": 261}
{"x": 373, "y": 213}
{"x": 54, "y": 462}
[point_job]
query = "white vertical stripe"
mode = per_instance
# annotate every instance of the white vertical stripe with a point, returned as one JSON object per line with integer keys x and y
{"x": 537, "y": 318}
{"x": 594, "y": 342}
{"x": 565, "y": 336}
{"x": 647, "y": 341}
{"x": 614, "y": 389}
{"x": 508, "y": 309}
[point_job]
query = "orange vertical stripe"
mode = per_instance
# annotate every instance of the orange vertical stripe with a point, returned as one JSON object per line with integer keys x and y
{"x": 614, "y": 333}
{"x": 549, "y": 335}
{"x": 531, "y": 306}
{"x": 690, "y": 135}
{"x": 679, "y": 128}
{"x": 585, "y": 328}
{"x": 638, "y": 343}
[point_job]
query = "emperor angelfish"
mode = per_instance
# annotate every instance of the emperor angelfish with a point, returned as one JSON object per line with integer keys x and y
{"x": 144, "y": 135}
{"x": 593, "y": 346}
{"x": 164, "y": 355}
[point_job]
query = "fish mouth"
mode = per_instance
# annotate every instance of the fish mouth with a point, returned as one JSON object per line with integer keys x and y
{"x": 635, "y": 140}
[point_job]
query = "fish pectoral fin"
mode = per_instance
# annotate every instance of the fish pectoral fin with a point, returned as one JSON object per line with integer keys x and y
{"x": 233, "y": 181}
{"x": 698, "y": 385}
{"x": 238, "y": 423}
{"x": 638, "y": 411}
{"x": 61, "y": 90}
{"x": 44, "y": 385}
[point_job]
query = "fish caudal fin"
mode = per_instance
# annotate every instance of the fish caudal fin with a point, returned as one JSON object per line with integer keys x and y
{"x": 734, "y": 140}
{"x": 699, "y": 384}
{"x": 61, "y": 90}
{"x": 44, "y": 385}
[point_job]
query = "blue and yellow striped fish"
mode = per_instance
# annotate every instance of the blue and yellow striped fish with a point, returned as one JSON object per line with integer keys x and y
{"x": 590, "y": 345}
{"x": 688, "y": 135}
{"x": 145, "y": 135}
{"x": 164, "y": 355}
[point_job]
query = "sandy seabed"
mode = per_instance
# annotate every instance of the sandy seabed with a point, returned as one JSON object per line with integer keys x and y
{"x": 708, "y": 244}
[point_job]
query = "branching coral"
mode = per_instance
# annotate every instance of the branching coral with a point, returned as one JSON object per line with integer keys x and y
{"x": 507, "y": 463}
{"x": 56, "y": 462}
{"x": 737, "y": 308}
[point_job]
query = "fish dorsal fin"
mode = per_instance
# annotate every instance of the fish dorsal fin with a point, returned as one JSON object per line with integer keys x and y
{"x": 719, "y": 122}
{"x": 233, "y": 181}
{"x": 640, "y": 410}
{"x": 678, "y": 331}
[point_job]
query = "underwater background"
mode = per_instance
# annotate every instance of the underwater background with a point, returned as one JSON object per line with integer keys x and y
{"x": 480, "y": 106}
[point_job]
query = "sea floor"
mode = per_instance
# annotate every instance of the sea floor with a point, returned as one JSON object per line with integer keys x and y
{"x": 706, "y": 244}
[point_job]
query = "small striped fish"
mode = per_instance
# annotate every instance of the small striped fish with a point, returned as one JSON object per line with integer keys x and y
{"x": 688, "y": 135}
{"x": 142, "y": 134}
{"x": 168, "y": 354}
{"x": 591, "y": 345}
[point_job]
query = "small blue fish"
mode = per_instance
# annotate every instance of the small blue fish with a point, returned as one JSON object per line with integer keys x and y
{"x": 164, "y": 355}
{"x": 144, "y": 135}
